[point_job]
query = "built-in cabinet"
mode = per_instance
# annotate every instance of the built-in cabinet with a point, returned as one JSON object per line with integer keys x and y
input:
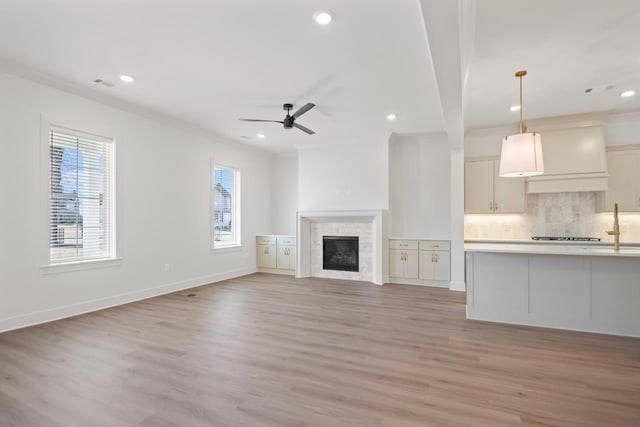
{"x": 419, "y": 262}
{"x": 486, "y": 192}
{"x": 403, "y": 259}
{"x": 276, "y": 254}
{"x": 434, "y": 260}
{"x": 624, "y": 180}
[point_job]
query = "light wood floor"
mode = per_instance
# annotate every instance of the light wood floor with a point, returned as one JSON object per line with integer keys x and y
{"x": 266, "y": 350}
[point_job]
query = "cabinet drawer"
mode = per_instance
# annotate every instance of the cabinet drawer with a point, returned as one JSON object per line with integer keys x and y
{"x": 265, "y": 240}
{"x": 403, "y": 244}
{"x": 286, "y": 241}
{"x": 435, "y": 245}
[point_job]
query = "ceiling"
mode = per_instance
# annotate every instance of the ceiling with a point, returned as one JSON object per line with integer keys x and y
{"x": 209, "y": 63}
{"x": 566, "y": 46}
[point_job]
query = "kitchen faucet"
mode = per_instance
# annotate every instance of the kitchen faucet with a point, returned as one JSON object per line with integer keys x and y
{"x": 616, "y": 229}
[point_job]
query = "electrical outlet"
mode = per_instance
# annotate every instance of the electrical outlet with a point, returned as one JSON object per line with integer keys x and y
{"x": 167, "y": 267}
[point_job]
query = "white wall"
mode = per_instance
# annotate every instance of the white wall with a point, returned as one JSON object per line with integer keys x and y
{"x": 346, "y": 175}
{"x": 284, "y": 193}
{"x": 622, "y": 129}
{"x": 163, "y": 200}
{"x": 420, "y": 187}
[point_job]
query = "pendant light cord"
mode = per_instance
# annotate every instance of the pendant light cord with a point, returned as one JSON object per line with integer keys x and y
{"x": 520, "y": 75}
{"x": 521, "y": 124}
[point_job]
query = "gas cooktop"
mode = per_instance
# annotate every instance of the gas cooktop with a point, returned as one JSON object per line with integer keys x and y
{"x": 567, "y": 239}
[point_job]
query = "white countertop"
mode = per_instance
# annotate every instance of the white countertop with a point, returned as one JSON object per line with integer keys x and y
{"x": 553, "y": 249}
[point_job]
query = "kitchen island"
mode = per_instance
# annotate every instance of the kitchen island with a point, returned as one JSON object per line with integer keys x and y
{"x": 578, "y": 287}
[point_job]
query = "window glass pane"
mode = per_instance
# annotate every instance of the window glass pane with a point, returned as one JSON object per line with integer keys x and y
{"x": 225, "y": 214}
{"x": 79, "y": 201}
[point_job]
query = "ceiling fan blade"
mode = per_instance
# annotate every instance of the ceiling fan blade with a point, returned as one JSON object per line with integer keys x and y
{"x": 308, "y": 106}
{"x": 259, "y": 120}
{"x": 304, "y": 129}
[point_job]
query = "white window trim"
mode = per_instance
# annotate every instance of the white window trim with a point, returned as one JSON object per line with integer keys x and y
{"x": 46, "y": 267}
{"x": 236, "y": 245}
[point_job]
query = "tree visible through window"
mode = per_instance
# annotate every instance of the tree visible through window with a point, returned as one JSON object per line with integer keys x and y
{"x": 226, "y": 212}
{"x": 80, "y": 201}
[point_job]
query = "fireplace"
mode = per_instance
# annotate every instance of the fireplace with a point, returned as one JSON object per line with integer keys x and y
{"x": 340, "y": 253}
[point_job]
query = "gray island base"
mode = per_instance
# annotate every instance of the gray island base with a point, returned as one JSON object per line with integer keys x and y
{"x": 582, "y": 289}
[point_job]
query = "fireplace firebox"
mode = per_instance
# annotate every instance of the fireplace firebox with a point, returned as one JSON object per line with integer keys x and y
{"x": 340, "y": 253}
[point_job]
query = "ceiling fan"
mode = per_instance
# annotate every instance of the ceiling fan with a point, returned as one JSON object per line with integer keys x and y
{"x": 290, "y": 119}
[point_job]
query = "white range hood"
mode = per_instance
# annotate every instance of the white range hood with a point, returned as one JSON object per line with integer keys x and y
{"x": 574, "y": 154}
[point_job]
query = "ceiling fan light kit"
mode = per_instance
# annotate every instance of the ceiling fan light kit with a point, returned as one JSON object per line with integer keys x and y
{"x": 521, "y": 153}
{"x": 289, "y": 121}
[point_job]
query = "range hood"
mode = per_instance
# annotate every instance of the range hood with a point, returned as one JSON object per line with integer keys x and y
{"x": 574, "y": 153}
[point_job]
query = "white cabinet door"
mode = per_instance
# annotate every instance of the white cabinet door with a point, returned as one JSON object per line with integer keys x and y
{"x": 266, "y": 256}
{"x": 442, "y": 268}
{"x": 509, "y": 193}
{"x": 486, "y": 192}
{"x": 396, "y": 263}
{"x": 411, "y": 264}
{"x": 286, "y": 257}
{"x": 624, "y": 181}
{"x": 403, "y": 263}
{"x": 478, "y": 186}
{"x": 427, "y": 266}
{"x": 434, "y": 265}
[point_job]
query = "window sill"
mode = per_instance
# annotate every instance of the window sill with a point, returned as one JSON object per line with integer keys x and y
{"x": 225, "y": 249}
{"x": 80, "y": 265}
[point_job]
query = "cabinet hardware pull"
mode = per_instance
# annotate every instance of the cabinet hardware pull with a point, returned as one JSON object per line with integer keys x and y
{"x": 496, "y": 206}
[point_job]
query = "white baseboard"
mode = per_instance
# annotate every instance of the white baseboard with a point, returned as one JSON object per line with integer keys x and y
{"x": 49, "y": 315}
{"x": 458, "y": 286}
{"x": 419, "y": 282}
{"x": 277, "y": 271}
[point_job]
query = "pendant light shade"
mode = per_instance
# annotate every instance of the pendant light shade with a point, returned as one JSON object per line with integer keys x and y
{"x": 521, "y": 153}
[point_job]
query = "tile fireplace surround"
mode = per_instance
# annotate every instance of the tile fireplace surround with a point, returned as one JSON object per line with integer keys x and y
{"x": 367, "y": 225}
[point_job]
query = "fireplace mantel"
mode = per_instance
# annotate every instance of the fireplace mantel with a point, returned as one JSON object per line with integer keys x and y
{"x": 374, "y": 218}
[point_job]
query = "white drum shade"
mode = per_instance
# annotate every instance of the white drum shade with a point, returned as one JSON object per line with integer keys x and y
{"x": 521, "y": 155}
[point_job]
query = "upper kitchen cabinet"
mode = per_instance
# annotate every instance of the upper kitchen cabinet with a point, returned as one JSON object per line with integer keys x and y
{"x": 486, "y": 192}
{"x": 624, "y": 180}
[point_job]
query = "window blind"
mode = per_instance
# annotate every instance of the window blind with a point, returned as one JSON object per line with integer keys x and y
{"x": 81, "y": 220}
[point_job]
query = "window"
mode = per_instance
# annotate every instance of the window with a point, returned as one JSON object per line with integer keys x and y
{"x": 225, "y": 200}
{"x": 81, "y": 197}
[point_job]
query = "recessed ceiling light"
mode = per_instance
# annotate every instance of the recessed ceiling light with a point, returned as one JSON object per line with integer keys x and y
{"x": 515, "y": 108}
{"x": 260, "y": 136}
{"x": 391, "y": 116}
{"x": 126, "y": 78}
{"x": 628, "y": 93}
{"x": 323, "y": 17}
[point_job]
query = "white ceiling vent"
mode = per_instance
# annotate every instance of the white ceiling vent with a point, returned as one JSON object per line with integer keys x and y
{"x": 103, "y": 83}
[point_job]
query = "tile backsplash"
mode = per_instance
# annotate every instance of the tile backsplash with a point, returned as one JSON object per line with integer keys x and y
{"x": 553, "y": 214}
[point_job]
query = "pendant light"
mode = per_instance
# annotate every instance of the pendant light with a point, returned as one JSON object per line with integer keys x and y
{"x": 521, "y": 153}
